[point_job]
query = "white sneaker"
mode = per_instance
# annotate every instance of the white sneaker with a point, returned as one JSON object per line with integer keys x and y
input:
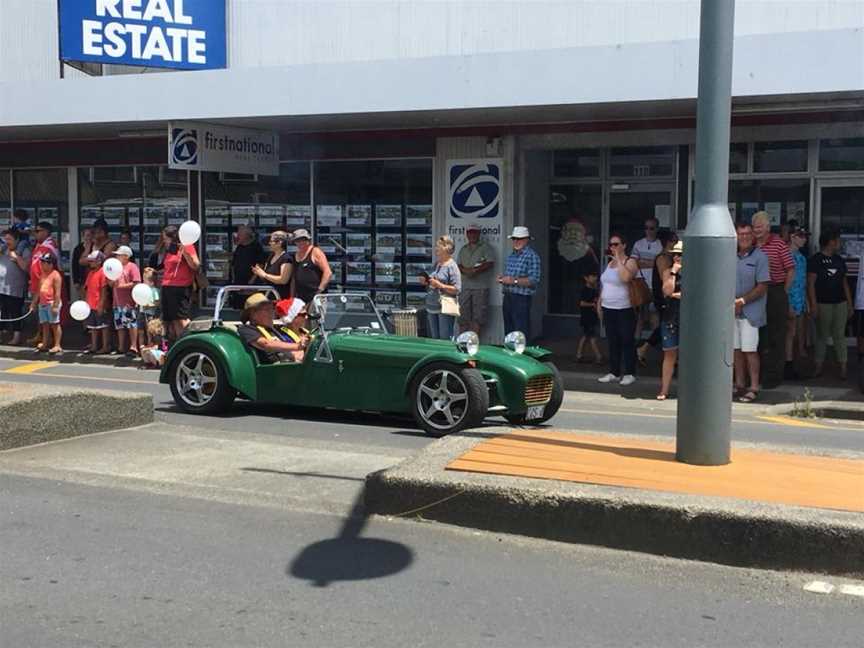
{"x": 629, "y": 379}
{"x": 608, "y": 378}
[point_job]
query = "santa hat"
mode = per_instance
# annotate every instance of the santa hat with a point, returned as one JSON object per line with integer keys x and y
{"x": 288, "y": 309}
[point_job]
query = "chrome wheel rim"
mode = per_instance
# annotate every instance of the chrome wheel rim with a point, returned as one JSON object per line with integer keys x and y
{"x": 442, "y": 399}
{"x": 196, "y": 379}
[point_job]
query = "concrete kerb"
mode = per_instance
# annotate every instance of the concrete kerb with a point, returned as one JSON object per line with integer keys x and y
{"x": 711, "y": 529}
{"x": 829, "y": 409}
{"x": 34, "y": 414}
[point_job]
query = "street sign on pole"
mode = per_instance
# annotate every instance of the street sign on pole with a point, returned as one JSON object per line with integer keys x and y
{"x": 709, "y": 263}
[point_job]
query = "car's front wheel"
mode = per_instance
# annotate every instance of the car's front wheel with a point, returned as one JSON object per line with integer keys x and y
{"x": 446, "y": 398}
{"x": 199, "y": 384}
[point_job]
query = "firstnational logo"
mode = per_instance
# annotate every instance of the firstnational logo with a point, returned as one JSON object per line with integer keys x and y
{"x": 184, "y": 146}
{"x": 201, "y": 146}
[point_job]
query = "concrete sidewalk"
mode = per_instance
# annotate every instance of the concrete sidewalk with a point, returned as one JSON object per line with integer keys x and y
{"x": 627, "y": 493}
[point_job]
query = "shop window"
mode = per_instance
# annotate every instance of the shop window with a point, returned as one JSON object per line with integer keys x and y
{"x": 843, "y": 211}
{"x": 574, "y": 240}
{"x": 374, "y": 221}
{"x": 44, "y": 195}
{"x": 265, "y": 203}
{"x": 576, "y": 163}
{"x": 780, "y": 157}
{"x": 133, "y": 201}
{"x": 738, "y": 157}
{"x": 642, "y": 162}
{"x": 784, "y": 200}
{"x": 841, "y": 154}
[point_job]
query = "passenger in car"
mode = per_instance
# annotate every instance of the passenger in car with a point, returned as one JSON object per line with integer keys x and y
{"x": 292, "y": 314}
{"x": 259, "y": 332}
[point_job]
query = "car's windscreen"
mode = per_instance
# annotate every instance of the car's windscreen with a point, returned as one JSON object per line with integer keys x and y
{"x": 347, "y": 311}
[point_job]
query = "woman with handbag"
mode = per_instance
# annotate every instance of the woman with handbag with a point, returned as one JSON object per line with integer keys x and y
{"x": 444, "y": 284}
{"x": 620, "y": 295}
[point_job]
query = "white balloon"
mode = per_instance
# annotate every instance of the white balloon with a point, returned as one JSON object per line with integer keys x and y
{"x": 190, "y": 232}
{"x": 113, "y": 269}
{"x": 142, "y": 295}
{"x": 79, "y": 310}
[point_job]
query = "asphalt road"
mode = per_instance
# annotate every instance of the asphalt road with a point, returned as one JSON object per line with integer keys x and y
{"x": 112, "y": 567}
{"x": 244, "y": 530}
{"x": 581, "y": 411}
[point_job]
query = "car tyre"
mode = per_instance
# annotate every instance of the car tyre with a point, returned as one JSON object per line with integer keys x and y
{"x": 199, "y": 384}
{"x": 446, "y": 398}
{"x": 552, "y": 406}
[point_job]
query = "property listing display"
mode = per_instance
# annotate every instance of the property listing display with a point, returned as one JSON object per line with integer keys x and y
{"x": 377, "y": 248}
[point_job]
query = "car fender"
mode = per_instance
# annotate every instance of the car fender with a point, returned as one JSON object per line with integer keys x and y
{"x": 538, "y": 353}
{"x": 453, "y": 357}
{"x": 229, "y": 351}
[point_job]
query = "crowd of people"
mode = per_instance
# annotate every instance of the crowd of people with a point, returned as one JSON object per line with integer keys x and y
{"x": 786, "y": 304}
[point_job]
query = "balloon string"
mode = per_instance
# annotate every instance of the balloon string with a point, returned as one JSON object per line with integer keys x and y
{"x": 18, "y": 319}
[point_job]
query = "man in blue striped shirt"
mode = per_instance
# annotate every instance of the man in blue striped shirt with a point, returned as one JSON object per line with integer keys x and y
{"x": 519, "y": 282}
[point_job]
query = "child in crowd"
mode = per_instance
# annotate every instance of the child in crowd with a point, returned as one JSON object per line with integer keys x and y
{"x": 153, "y": 353}
{"x": 48, "y": 300}
{"x": 589, "y": 318}
{"x": 125, "y": 310}
{"x": 96, "y": 293}
{"x": 148, "y": 313}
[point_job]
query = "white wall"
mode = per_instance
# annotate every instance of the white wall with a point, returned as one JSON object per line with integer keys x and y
{"x": 289, "y": 32}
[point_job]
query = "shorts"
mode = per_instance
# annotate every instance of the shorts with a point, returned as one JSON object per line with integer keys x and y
{"x": 858, "y": 324}
{"x": 746, "y": 336}
{"x": 95, "y": 321}
{"x": 473, "y": 303}
{"x": 144, "y": 318}
{"x": 669, "y": 332}
{"x": 589, "y": 322}
{"x": 47, "y": 315}
{"x": 176, "y": 303}
{"x": 125, "y": 317}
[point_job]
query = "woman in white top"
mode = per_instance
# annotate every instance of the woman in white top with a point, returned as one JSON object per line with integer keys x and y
{"x": 618, "y": 314}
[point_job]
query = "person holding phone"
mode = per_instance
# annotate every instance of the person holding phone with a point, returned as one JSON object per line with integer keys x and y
{"x": 617, "y": 312}
{"x": 180, "y": 264}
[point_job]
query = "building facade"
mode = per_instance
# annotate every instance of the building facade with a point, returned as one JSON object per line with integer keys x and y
{"x": 579, "y": 114}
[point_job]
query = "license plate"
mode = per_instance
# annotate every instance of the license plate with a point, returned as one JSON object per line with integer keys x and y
{"x": 535, "y": 412}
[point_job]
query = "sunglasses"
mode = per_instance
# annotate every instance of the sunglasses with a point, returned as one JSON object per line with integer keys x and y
{"x": 614, "y": 244}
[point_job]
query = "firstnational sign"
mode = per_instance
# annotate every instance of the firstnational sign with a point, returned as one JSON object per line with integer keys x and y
{"x": 199, "y": 146}
{"x": 179, "y": 34}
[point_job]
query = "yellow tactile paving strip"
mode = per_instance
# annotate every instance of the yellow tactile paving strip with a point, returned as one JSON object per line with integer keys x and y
{"x": 801, "y": 480}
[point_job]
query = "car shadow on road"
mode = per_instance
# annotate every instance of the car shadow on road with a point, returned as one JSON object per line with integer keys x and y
{"x": 349, "y": 556}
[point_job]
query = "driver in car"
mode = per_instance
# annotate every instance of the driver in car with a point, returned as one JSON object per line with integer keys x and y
{"x": 260, "y": 333}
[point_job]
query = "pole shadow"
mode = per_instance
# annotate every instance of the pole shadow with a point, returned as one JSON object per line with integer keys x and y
{"x": 350, "y": 557}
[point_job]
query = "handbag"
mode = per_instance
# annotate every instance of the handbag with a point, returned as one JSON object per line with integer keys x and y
{"x": 449, "y": 305}
{"x": 640, "y": 293}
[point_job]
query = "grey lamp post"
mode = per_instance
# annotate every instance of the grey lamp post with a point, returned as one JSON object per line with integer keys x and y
{"x": 709, "y": 263}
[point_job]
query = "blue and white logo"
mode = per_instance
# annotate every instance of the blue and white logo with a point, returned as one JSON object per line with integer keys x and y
{"x": 184, "y": 146}
{"x": 475, "y": 190}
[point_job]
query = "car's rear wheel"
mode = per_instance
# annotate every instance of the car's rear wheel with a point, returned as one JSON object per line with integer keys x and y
{"x": 446, "y": 398}
{"x": 199, "y": 385}
{"x": 552, "y": 406}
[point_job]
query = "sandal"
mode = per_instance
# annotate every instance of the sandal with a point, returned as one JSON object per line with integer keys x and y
{"x": 749, "y": 397}
{"x": 662, "y": 397}
{"x": 56, "y": 351}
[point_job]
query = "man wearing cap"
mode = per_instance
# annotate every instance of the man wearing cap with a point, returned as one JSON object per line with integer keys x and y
{"x": 475, "y": 260}
{"x": 519, "y": 282}
{"x": 312, "y": 271}
{"x": 259, "y": 333}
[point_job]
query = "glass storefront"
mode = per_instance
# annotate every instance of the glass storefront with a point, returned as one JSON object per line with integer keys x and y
{"x": 784, "y": 200}
{"x": 5, "y": 198}
{"x": 373, "y": 219}
{"x": 138, "y": 200}
{"x": 44, "y": 195}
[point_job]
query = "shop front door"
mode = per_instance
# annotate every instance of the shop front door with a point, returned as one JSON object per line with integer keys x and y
{"x": 840, "y": 206}
{"x": 630, "y": 205}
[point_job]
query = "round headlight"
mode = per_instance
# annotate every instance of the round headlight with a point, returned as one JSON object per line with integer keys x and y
{"x": 468, "y": 342}
{"x": 515, "y": 341}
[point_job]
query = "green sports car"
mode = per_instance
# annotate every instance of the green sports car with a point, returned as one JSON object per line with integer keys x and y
{"x": 354, "y": 363}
